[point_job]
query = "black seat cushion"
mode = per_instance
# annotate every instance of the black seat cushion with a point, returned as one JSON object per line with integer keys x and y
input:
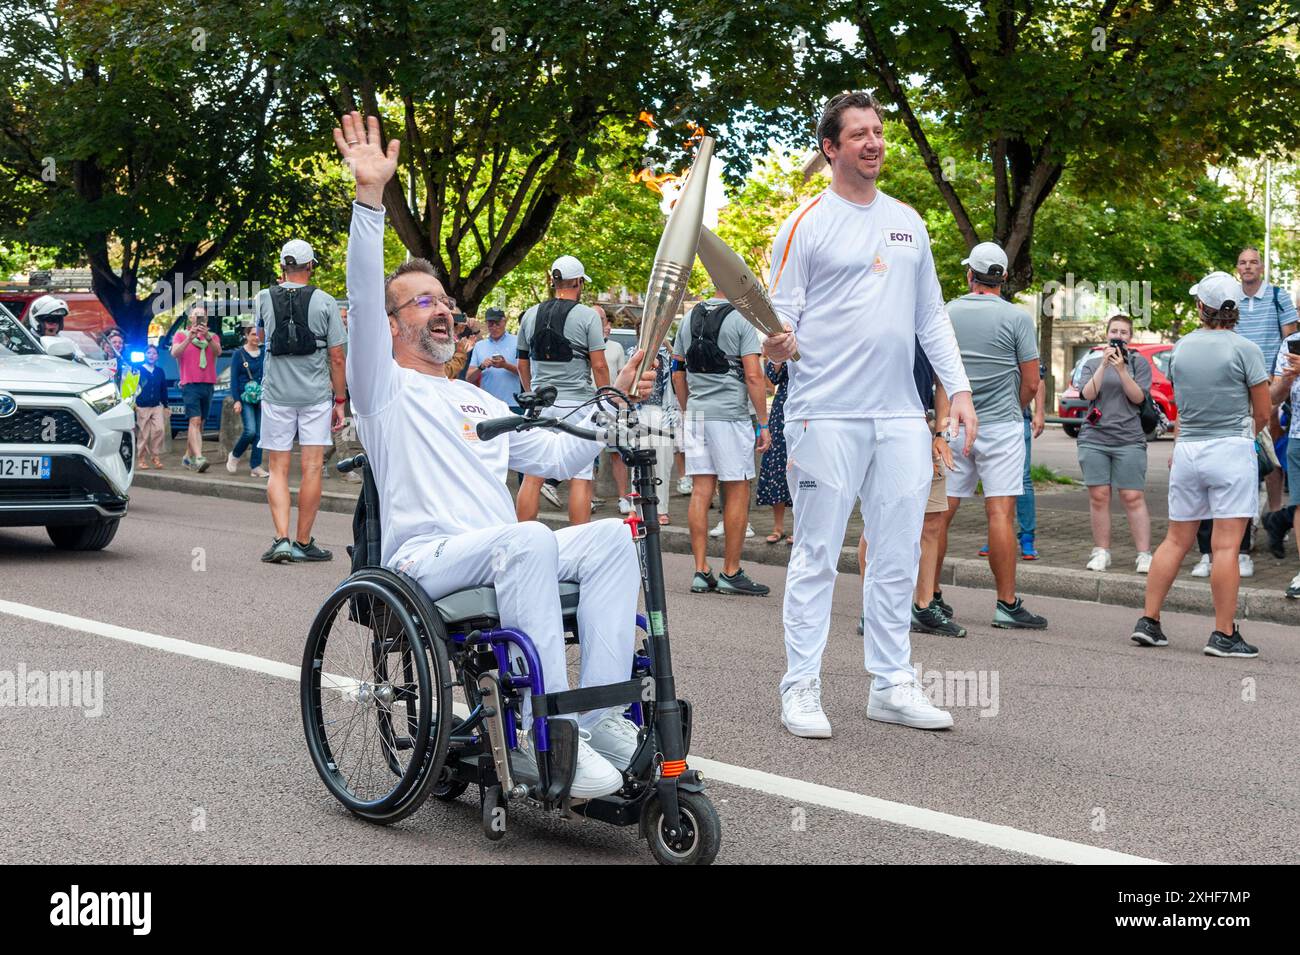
{"x": 478, "y": 605}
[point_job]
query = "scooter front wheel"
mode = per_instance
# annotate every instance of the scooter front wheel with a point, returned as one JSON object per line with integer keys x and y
{"x": 696, "y": 841}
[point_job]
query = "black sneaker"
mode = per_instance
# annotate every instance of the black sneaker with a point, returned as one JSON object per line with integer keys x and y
{"x": 1147, "y": 632}
{"x": 1277, "y": 526}
{"x": 1233, "y": 646}
{"x": 739, "y": 583}
{"x": 309, "y": 551}
{"x": 932, "y": 620}
{"x": 704, "y": 582}
{"x": 1016, "y": 617}
{"x": 938, "y": 601}
{"x": 1293, "y": 589}
{"x": 280, "y": 551}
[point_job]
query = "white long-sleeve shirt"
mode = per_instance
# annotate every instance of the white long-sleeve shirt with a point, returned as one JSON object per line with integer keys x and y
{"x": 435, "y": 477}
{"x": 858, "y": 285}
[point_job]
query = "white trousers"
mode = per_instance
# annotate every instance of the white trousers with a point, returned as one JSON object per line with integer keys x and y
{"x": 884, "y": 462}
{"x": 525, "y": 562}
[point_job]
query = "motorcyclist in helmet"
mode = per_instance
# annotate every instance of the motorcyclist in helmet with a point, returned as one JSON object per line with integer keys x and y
{"x": 46, "y": 315}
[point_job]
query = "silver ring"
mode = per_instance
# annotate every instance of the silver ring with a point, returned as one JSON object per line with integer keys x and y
{"x": 354, "y": 142}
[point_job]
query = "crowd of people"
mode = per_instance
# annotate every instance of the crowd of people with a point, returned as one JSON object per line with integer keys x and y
{"x": 949, "y": 410}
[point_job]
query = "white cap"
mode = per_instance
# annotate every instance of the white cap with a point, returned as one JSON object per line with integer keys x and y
{"x": 1216, "y": 289}
{"x": 569, "y": 268}
{"x": 984, "y": 256}
{"x": 297, "y": 252}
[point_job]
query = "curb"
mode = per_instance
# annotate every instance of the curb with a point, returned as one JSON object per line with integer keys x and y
{"x": 1122, "y": 590}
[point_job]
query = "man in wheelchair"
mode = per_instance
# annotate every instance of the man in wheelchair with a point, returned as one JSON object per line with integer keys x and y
{"x": 447, "y": 517}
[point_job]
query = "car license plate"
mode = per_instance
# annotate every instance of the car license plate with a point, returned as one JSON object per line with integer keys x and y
{"x": 25, "y": 469}
{"x": 176, "y": 409}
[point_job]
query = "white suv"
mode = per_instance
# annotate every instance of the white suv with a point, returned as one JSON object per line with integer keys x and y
{"x": 67, "y": 442}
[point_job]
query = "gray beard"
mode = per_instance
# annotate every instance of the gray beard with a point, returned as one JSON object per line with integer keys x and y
{"x": 439, "y": 352}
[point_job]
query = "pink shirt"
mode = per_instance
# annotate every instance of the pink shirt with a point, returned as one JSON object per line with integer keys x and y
{"x": 189, "y": 360}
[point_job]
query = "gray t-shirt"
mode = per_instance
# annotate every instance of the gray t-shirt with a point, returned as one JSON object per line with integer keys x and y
{"x": 1213, "y": 371}
{"x": 994, "y": 337}
{"x": 572, "y": 379}
{"x": 720, "y": 397}
{"x": 1120, "y": 423}
{"x": 300, "y": 381}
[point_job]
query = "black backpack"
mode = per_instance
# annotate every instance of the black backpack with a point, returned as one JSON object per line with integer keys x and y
{"x": 292, "y": 334}
{"x": 703, "y": 356}
{"x": 549, "y": 341}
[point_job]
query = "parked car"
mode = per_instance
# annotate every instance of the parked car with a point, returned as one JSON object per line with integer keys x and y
{"x": 1072, "y": 404}
{"x": 67, "y": 444}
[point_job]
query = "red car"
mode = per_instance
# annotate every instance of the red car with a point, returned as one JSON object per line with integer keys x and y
{"x": 1072, "y": 405}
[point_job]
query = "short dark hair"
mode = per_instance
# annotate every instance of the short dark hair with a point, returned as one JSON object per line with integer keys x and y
{"x": 1225, "y": 316}
{"x": 1120, "y": 318}
{"x": 410, "y": 266}
{"x": 829, "y": 126}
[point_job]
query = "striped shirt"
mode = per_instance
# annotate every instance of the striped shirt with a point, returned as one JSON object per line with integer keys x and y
{"x": 1262, "y": 320}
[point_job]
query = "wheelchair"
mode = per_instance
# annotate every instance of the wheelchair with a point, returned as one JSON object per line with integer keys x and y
{"x": 384, "y": 664}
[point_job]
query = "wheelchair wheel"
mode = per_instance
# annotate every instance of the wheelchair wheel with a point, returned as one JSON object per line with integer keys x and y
{"x": 696, "y": 843}
{"x": 374, "y": 711}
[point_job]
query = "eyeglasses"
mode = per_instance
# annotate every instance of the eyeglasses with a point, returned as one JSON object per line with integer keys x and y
{"x": 427, "y": 301}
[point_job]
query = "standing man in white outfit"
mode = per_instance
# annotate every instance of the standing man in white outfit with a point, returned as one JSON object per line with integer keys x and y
{"x": 854, "y": 280}
{"x": 447, "y": 517}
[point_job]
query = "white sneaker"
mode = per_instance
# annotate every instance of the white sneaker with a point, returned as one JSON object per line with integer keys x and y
{"x": 907, "y": 705}
{"x": 624, "y": 506}
{"x": 1100, "y": 559}
{"x": 1246, "y": 564}
{"x": 232, "y": 463}
{"x": 548, "y": 492}
{"x": 1143, "y": 563}
{"x": 684, "y": 486}
{"x": 260, "y": 472}
{"x": 1202, "y": 569}
{"x": 717, "y": 531}
{"x": 593, "y": 777}
{"x": 801, "y": 710}
{"x": 616, "y": 739}
{"x": 749, "y": 530}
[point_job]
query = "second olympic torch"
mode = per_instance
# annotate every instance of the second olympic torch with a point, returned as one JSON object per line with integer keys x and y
{"x": 738, "y": 284}
{"x": 675, "y": 257}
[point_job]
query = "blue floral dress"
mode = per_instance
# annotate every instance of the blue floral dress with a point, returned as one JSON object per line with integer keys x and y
{"x": 772, "y": 486}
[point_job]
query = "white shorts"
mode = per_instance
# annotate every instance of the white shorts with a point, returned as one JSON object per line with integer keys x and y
{"x": 1214, "y": 478}
{"x": 721, "y": 448}
{"x": 558, "y": 410}
{"x": 998, "y": 460}
{"x": 281, "y": 423}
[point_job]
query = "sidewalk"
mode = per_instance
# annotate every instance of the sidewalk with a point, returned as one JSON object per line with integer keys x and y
{"x": 1063, "y": 538}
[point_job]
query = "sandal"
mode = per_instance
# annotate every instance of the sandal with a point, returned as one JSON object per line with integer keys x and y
{"x": 664, "y": 519}
{"x": 774, "y": 537}
{"x": 789, "y": 541}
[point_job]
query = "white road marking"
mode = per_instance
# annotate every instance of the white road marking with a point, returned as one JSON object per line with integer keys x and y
{"x": 798, "y": 790}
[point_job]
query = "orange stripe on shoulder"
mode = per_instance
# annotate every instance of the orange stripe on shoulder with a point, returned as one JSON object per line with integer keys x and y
{"x": 790, "y": 241}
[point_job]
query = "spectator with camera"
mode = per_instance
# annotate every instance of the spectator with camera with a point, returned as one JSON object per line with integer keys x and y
{"x": 196, "y": 350}
{"x": 1222, "y": 390}
{"x": 1113, "y": 444}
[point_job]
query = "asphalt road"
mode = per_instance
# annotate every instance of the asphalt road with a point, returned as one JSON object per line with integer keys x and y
{"x": 1084, "y": 741}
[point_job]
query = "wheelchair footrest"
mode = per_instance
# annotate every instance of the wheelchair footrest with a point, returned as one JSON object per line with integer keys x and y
{"x": 593, "y": 698}
{"x": 562, "y": 757}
